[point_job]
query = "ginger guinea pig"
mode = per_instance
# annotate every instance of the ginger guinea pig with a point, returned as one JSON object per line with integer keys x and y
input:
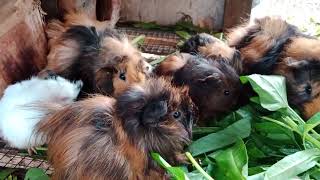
{"x": 104, "y": 138}
{"x": 214, "y": 85}
{"x": 272, "y": 46}
{"x": 85, "y": 49}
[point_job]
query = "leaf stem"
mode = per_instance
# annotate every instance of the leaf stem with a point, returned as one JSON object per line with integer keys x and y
{"x": 198, "y": 167}
{"x": 137, "y": 39}
{"x": 298, "y": 118}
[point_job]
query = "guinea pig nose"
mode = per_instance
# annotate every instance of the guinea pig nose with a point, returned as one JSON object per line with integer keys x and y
{"x": 154, "y": 112}
{"x": 308, "y": 89}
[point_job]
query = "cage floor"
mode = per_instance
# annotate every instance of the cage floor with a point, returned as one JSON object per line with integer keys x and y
{"x": 12, "y": 158}
{"x": 155, "y": 42}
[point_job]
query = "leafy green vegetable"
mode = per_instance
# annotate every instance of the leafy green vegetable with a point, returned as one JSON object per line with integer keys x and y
{"x": 138, "y": 41}
{"x": 36, "y": 174}
{"x": 183, "y": 34}
{"x": 232, "y": 163}
{"x": 4, "y": 173}
{"x": 229, "y": 135}
{"x": 176, "y": 172}
{"x": 197, "y": 166}
{"x": 157, "y": 61}
{"x": 271, "y": 90}
{"x": 290, "y": 166}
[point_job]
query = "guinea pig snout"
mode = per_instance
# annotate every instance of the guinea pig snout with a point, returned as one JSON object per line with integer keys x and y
{"x": 154, "y": 112}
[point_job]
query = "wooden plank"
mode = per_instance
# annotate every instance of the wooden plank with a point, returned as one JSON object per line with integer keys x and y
{"x": 236, "y": 12}
{"x": 203, "y": 13}
{"x": 23, "y": 45}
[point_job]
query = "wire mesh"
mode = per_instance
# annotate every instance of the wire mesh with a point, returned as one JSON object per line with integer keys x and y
{"x": 155, "y": 42}
{"x": 12, "y": 158}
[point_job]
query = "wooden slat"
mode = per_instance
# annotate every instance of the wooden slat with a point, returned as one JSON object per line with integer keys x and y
{"x": 235, "y": 12}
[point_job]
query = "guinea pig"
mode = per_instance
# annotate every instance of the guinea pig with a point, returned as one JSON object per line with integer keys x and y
{"x": 18, "y": 118}
{"x": 214, "y": 85}
{"x": 83, "y": 49}
{"x": 272, "y": 46}
{"x": 105, "y": 138}
{"x": 211, "y": 47}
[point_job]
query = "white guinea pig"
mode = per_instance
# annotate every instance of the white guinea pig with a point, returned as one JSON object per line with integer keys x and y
{"x": 18, "y": 116}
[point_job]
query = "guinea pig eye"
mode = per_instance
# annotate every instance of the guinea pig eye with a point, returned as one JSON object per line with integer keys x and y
{"x": 308, "y": 89}
{"x": 122, "y": 76}
{"x": 226, "y": 92}
{"x": 176, "y": 114}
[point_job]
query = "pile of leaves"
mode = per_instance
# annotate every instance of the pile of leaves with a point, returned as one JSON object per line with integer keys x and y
{"x": 265, "y": 139}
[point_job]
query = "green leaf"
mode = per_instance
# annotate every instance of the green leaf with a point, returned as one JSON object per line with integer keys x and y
{"x": 225, "y": 137}
{"x": 313, "y": 122}
{"x": 36, "y": 174}
{"x": 176, "y": 172}
{"x": 147, "y": 25}
{"x": 4, "y": 173}
{"x": 271, "y": 90}
{"x": 256, "y": 170}
{"x": 183, "y": 34}
{"x": 160, "y": 160}
{"x": 204, "y": 130}
{"x": 157, "y": 61}
{"x": 196, "y": 176}
{"x": 232, "y": 163}
{"x": 290, "y": 166}
{"x": 138, "y": 40}
{"x": 253, "y": 151}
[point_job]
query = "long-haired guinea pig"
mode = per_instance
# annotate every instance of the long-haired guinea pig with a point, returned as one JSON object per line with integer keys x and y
{"x": 105, "y": 138}
{"x": 17, "y": 116}
{"x": 272, "y": 46}
{"x": 83, "y": 49}
{"x": 209, "y": 46}
{"x": 214, "y": 84}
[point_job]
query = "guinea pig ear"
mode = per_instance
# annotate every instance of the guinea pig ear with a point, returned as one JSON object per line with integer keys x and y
{"x": 236, "y": 61}
{"x": 170, "y": 65}
{"x": 212, "y": 77}
{"x": 192, "y": 44}
{"x": 296, "y": 64}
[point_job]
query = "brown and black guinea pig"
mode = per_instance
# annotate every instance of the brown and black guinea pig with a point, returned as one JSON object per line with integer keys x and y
{"x": 105, "y": 138}
{"x": 87, "y": 50}
{"x": 214, "y": 85}
{"x": 270, "y": 45}
{"x": 208, "y": 46}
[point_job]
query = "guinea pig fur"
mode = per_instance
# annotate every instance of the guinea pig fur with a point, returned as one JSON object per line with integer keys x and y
{"x": 214, "y": 84}
{"x": 272, "y": 46}
{"x": 105, "y": 138}
{"x": 17, "y": 116}
{"x": 211, "y": 47}
{"x": 102, "y": 58}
